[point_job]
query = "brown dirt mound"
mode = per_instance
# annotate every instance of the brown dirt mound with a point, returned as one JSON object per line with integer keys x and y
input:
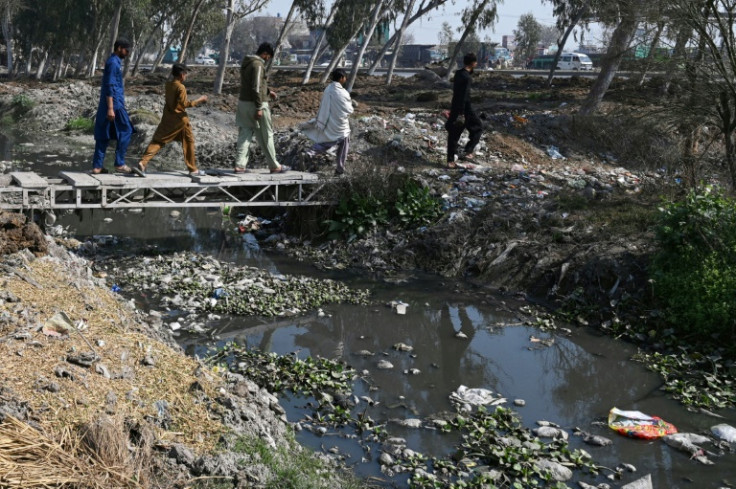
{"x": 17, "y": 234}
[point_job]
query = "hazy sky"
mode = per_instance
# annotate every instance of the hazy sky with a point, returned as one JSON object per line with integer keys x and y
{"x": 425, "y": 30}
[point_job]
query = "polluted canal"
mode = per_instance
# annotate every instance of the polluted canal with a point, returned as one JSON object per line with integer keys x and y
{"x": 408, "y": 365}
{"x": 411, "y": 345}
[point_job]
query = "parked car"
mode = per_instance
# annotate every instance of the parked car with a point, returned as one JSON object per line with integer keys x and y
{"x": 205, "y": 60}
{"x": 574, "y": 61}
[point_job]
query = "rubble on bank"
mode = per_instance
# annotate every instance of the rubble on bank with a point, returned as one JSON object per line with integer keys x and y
{"x": 94, "y": 380}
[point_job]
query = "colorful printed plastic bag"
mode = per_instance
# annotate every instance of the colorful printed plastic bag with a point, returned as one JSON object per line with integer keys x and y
{"x": 636, "y": 424}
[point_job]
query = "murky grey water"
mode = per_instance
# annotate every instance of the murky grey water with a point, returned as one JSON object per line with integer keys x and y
{"x": 574, "y": 382}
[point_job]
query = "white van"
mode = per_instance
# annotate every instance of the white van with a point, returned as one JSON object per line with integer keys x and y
{"x": 574, "y": 61}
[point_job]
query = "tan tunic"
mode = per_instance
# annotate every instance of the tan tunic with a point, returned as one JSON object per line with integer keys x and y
{"x": 175, "y": 118}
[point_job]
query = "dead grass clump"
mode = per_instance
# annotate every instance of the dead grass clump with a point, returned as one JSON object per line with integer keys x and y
{"x": 112, "y": 444}
{"x": 30, "y": 365}
{"x": 28, "y": 459}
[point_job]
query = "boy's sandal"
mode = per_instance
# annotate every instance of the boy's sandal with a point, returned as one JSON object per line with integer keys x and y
{"x": 98, "y": 171}
{"x": 123, "y": 169}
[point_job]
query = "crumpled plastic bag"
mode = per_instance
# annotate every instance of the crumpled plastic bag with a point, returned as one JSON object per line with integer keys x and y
{"x": 724, "y": 432}
{"x": 476, "y": 396}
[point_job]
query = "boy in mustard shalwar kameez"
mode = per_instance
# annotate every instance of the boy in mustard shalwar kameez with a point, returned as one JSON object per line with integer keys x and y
{"x": 174, "y": 125}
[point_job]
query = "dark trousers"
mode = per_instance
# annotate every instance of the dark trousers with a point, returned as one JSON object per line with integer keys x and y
{"x": 455, "y": 129}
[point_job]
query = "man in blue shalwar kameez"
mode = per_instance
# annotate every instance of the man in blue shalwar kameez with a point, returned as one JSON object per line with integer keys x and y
{"x": 112, "y": 120}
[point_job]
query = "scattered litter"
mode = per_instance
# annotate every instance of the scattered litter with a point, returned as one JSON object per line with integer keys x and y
{"x": 688, "y": 443}
{"x": 399, "y": 306}
{"x": 476, "y": 396}
{"x": 249, "y": 224}
{"x": 643, "y": 483}
{"x": 636, "y": 424}
{"x": 724, "y": 432}
{"x": 58, "y": 325}
{"x": 554, "y": 153}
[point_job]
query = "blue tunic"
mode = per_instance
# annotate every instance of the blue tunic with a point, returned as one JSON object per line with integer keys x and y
{"x": 121, "y": 128}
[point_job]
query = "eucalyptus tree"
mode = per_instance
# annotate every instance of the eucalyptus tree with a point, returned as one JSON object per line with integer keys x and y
{"x": 234, "y": 11}
{"x": 319, "y": 47}
{"x": 569, "y": 14}
{"x": 478, "y": 15}
{"x": 349, "y": 20}
{"x": 8, "y": 11}
{"x": 626, "y": 16}
{"x": 379, "y": 9}
{"x": 193, "y": 14}
{"x": 424, "y": 8}
{"x": 527, "y": 35}
{"x": 309, "y": 9}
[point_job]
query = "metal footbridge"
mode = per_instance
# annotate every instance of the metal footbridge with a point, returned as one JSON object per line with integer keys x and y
{"x": 29, "y": 191}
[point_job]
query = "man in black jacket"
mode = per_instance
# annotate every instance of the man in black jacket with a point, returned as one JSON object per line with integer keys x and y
{"x": 461, "y": 113}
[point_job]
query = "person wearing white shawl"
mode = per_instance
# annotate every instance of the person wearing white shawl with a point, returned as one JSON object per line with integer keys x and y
{"x": 331, "y": 127}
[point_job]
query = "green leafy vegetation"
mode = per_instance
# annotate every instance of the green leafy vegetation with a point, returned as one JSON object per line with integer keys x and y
{"x": 81, "y": 124}
{"x": 694, "y": 271}
{"x": 408, "y": 206}
{"x": 497, "y": 451}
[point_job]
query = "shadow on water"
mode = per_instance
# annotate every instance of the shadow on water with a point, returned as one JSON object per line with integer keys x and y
{"x": 573, "y": 382}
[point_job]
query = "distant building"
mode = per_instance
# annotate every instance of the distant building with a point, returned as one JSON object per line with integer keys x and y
{"x": 509, "y": 42}
{"x": 414, "y": 55}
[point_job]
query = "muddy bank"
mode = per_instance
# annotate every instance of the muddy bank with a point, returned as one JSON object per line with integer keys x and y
{"x": 114, "y": 399}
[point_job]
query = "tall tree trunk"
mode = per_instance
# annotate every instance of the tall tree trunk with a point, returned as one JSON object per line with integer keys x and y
{"x": 318, "y": 49}
{"x": 382, "y": 54}
{"x": 225, "y": 49}
{"x": 468, "y": 29}
{"x": 423, "y": 9}
{"x": 399, "y": 38}
{"x": 115, "y": 25}
{"x": 333, "y": 63}
{"x": 336, "y": 57}
{"x": 29, "y": 63}
{"x": 139, "y": 57}
{"x": 451, "y": 65}
{"x": 8, "y": 36}
{"x": 81, "y": 63}
{"x": 288, "y": 24}
{"x": 678, "y": 53}
{"x": 188, "y": 34}
{"x": 41, "y": 65}
{"x": 650, "y": 54}
{"x": 316, "y": 55}
{"x": 367, "y": 36}
{"x": 159, "y": 59}
{"x": 563, "y": 40}
{"x": 59, "y": 67}
{"x": 620, "y": 41}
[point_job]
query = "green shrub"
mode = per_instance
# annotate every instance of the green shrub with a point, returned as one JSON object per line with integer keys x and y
{"x": 81, "y": 124}
{"x": 415, "y": 206}
{"x": 408, "y": 206}
{"x": 22, "y": 104}
{"x": 694, "y": 271}
{"x": 356, "y": 216}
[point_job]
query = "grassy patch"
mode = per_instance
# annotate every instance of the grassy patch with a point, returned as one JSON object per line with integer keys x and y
{"x": 80, "y": 124}
{"x": 290, "y": 467}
